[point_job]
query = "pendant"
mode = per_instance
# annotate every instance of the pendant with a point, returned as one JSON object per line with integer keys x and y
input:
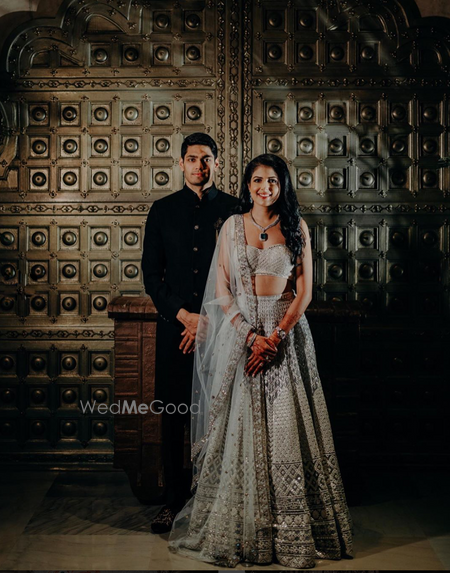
{"x": 263, "y": 236}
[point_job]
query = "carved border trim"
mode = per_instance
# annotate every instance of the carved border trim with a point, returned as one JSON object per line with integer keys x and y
{"x": 233, "y": 99}
{"x": 355, "y": 82}
{"x": 113, "y": 84}
{"x": 366, "y": 83}
{"x": 61, "y": 334}
{"x": 72, "y": 209}
{"x": 220, "y": 88}
{"x": 63, "y": 209}
{"x": 247, "y": 84}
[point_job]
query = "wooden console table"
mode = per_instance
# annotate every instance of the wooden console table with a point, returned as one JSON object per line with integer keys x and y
{"x": 137, "y": 439}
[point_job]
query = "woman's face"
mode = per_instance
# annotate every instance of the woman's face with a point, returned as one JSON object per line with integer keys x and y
{"x": 264, "y": 186}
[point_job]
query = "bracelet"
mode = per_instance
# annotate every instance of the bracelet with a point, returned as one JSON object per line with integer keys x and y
{"x": 252, "y": 340}
{"x": 280, "y": 333}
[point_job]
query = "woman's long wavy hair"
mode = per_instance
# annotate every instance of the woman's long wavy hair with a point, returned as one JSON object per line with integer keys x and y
{"x": 286, "y": 206}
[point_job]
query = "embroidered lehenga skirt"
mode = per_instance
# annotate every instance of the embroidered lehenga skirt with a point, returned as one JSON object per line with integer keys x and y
{"x": 270, "y": 488}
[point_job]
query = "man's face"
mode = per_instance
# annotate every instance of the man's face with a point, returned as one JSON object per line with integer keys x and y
{"x": 199, "y": 166}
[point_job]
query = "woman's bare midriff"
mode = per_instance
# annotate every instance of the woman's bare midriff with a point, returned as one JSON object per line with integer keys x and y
{"x": 267, "y": 285}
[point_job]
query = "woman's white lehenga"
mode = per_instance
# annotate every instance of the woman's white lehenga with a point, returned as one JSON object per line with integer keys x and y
{"x": 267, "y": 485}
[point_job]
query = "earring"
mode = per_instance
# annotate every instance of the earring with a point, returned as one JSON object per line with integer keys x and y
{"x": 251, "y": 200}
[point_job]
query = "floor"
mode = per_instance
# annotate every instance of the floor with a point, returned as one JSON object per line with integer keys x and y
{"x": 91, "y": 520}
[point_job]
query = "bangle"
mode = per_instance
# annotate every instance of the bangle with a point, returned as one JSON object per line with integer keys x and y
{"x": 280, "y": 333}
{"x": 252, "y": 340}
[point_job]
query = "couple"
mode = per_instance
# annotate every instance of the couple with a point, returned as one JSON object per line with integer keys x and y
{"x": 266, "y": 482}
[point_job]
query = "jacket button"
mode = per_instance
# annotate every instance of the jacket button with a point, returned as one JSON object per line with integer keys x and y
{"x": 195, "y": 293}
{"x": 195, "y": 249}
{"x": 195, "y": 271}
{"x": 196, "y": 227}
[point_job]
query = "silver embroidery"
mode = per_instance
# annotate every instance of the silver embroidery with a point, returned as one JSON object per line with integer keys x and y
{"x": 274, "y": 261}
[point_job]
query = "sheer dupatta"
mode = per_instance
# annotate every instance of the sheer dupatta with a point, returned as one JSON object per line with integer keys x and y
{"x": 221, "y": 339}
{"x": 229, "y": 518}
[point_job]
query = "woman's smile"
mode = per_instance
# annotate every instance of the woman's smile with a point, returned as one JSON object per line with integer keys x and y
{"x": 264, "y": 186}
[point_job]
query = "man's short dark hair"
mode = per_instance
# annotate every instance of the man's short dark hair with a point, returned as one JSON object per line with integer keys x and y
{"x": 199, "y": 139}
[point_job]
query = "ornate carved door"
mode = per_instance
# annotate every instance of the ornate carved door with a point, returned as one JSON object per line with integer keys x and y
{"x": 94, "y": 106}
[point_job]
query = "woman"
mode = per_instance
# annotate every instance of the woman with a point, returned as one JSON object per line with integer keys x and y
{"x": 266, "y": 479}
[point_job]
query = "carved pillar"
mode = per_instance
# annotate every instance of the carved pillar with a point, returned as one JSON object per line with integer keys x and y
{"x": 137, "y": 437}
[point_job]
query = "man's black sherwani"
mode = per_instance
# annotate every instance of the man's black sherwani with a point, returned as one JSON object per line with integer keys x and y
{"x": 180, "y": 237}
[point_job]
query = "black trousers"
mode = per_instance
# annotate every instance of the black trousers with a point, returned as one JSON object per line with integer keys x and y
{"x": 177, "y": 482}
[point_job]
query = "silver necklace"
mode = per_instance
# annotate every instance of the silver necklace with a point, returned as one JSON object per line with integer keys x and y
{"x": 263, "y": 236}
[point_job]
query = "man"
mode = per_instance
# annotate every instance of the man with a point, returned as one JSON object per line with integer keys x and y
{"x": 180, "y": 237}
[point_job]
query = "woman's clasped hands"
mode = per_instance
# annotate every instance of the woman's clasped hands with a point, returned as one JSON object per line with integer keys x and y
{"x": 264, "y": 350}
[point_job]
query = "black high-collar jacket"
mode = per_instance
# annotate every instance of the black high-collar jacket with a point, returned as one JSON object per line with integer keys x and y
{"x": 180, "y": 237}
